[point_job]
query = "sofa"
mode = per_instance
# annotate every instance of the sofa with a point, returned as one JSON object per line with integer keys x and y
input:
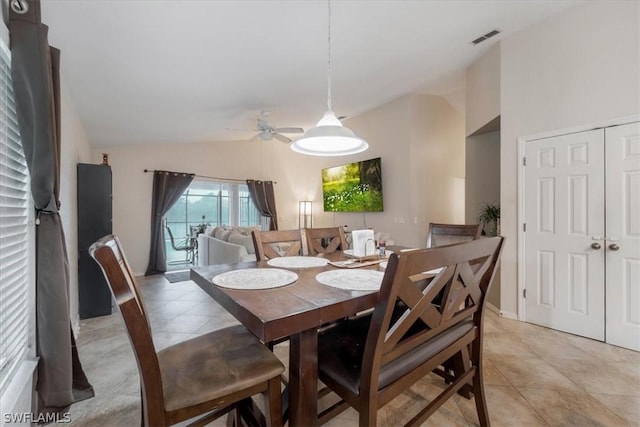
{"x": 226, "y": 245}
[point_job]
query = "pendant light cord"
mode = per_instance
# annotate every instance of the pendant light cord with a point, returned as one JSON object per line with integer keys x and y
{"x": 329, "y": 62}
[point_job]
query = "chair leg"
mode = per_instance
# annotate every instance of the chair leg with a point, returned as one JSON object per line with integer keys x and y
{"x": 273, "y": 403}
{"x": 459, "y": 364}
{"x": 481, "y": 402}
{"x": 142, "y": 423}
{"x": 368, "y": 416}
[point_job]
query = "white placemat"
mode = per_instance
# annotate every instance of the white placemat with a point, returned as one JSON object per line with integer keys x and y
{"x": 255, "y": 278}
{"x": 383, "y": 264}
{"x": 353, "y": 280}
{"x": 297, "y": 262}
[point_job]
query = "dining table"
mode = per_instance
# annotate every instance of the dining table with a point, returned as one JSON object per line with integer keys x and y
{"x": 295, "y": 311}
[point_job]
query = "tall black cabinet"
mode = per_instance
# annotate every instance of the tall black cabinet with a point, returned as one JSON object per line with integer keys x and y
{"x": 94, "y": 221}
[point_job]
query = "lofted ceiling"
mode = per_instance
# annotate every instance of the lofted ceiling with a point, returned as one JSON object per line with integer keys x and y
{"x": 160, "y": 71}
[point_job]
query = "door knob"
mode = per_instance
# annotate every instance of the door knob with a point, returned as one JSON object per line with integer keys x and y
{"x": 596, "y": 246}
{"x": 614, "y": 247}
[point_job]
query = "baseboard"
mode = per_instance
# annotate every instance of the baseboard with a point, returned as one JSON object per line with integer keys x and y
{"x": 493, "y": 308}
{"x": 506, "y": 315}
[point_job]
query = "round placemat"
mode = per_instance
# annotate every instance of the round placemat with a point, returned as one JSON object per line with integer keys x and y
{"x": 297, "y": 262}
{"x": 352, "y": 280}
{"x": 255, "y": 278}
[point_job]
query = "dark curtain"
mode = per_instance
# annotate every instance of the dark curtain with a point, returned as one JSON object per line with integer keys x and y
{"x": 264, "y": 198}
{"x": 167, "y": 189}
{"x": 35, "y": 73}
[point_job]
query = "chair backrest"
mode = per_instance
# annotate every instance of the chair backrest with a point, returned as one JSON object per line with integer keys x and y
{"x": 109, "y": 254}
{"x": 447, "y": 234}
{"x": 188, "y": 244}
{"x": 333, "y": 237}
{"x": 273, "y": 244}
{"x": 406, "y": 317}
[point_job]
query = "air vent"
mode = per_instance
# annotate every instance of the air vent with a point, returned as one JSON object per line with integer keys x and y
{"x": 485, "y": 37}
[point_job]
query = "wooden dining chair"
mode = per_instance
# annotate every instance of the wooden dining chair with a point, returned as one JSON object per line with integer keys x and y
{"x": 273, "y": 244}
{"x": 333, "y": 238}
{"x": 204, "y": 377}
{"x": 447, "y": 234}
{"x": 370, "y": 360}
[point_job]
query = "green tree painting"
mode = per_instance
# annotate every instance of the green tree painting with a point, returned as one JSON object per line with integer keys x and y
{"x": 354, "y": 187}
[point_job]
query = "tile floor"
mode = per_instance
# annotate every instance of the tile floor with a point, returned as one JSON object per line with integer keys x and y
{"x": 533, "y": 376}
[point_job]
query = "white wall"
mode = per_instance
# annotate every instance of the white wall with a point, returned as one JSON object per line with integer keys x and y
{"x": 420, "y": 139}
{"x": 74, "y": 149}
{"x": 482, "y": 81}
{"x": 437, "y": 164}
{"x": 579, "y": 67}
{"x": 482, "y": 173}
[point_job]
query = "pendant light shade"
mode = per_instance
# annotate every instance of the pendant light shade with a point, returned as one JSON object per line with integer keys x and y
{"x": 329, "y": 137}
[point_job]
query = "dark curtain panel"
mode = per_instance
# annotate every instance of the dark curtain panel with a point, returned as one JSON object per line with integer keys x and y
{"x": 35, "y": 74}
{"x": 264, "y": 198}
{"x": 167, "y": 189}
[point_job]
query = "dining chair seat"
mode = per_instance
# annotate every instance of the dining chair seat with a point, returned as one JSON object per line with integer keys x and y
{"x": 341, "y": 352}
{"x": 231, "y": 358}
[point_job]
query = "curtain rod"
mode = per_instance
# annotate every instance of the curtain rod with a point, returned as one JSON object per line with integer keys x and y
{"x": 211, "y": 177}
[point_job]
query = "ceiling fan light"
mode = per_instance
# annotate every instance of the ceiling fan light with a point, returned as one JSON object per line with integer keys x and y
{"x": 265, "y": 136}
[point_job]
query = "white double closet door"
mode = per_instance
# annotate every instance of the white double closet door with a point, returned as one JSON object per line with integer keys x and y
{"x": 582, "y": 238}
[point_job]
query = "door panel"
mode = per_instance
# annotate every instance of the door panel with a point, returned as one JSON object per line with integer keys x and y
{"x": 564, "y": 213}
{"x": 623, "y": 235}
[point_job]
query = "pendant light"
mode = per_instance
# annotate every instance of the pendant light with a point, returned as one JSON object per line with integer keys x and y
{"x": 329, "y": 137}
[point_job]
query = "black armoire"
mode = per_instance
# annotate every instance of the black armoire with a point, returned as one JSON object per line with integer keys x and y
{"x": 94, "y": 222}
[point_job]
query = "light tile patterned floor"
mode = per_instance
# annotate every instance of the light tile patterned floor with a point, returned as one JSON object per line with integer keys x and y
{"x": 533, "y": 376}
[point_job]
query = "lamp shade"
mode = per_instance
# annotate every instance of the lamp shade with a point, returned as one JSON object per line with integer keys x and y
{"x": 305, "y": 220}
{"x": 329, "y": 138}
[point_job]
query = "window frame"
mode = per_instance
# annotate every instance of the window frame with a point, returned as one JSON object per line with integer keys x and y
{"x": 231, "y": 191}
{"x": 21, "y": 371}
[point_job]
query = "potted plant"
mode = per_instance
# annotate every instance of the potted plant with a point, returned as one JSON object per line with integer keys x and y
{"x": 489, "y": 216}
{"x": 200, "y": 228}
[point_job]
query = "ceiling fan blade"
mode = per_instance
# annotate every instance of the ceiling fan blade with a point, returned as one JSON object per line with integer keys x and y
{"x": 281, "y": 138}
{"x": 289, "y": 130}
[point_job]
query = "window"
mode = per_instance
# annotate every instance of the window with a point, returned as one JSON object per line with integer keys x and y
{"x": 16, "y": 236}
{"x": 212, "y": 203}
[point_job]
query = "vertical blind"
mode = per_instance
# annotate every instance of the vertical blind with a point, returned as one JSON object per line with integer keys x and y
{"x": 15, "y": 239}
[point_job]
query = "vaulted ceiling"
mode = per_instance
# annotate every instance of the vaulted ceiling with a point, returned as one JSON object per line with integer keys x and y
{"x": 159, "y": 71}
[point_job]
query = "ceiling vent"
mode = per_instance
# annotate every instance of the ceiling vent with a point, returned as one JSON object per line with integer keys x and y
{"x": 485, "y": 37}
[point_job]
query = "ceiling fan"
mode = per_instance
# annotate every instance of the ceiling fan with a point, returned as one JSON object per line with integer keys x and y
{"x": 267, "y": 132}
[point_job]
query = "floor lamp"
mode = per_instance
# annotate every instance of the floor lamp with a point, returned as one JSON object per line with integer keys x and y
{"x": 305, "y": 219}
